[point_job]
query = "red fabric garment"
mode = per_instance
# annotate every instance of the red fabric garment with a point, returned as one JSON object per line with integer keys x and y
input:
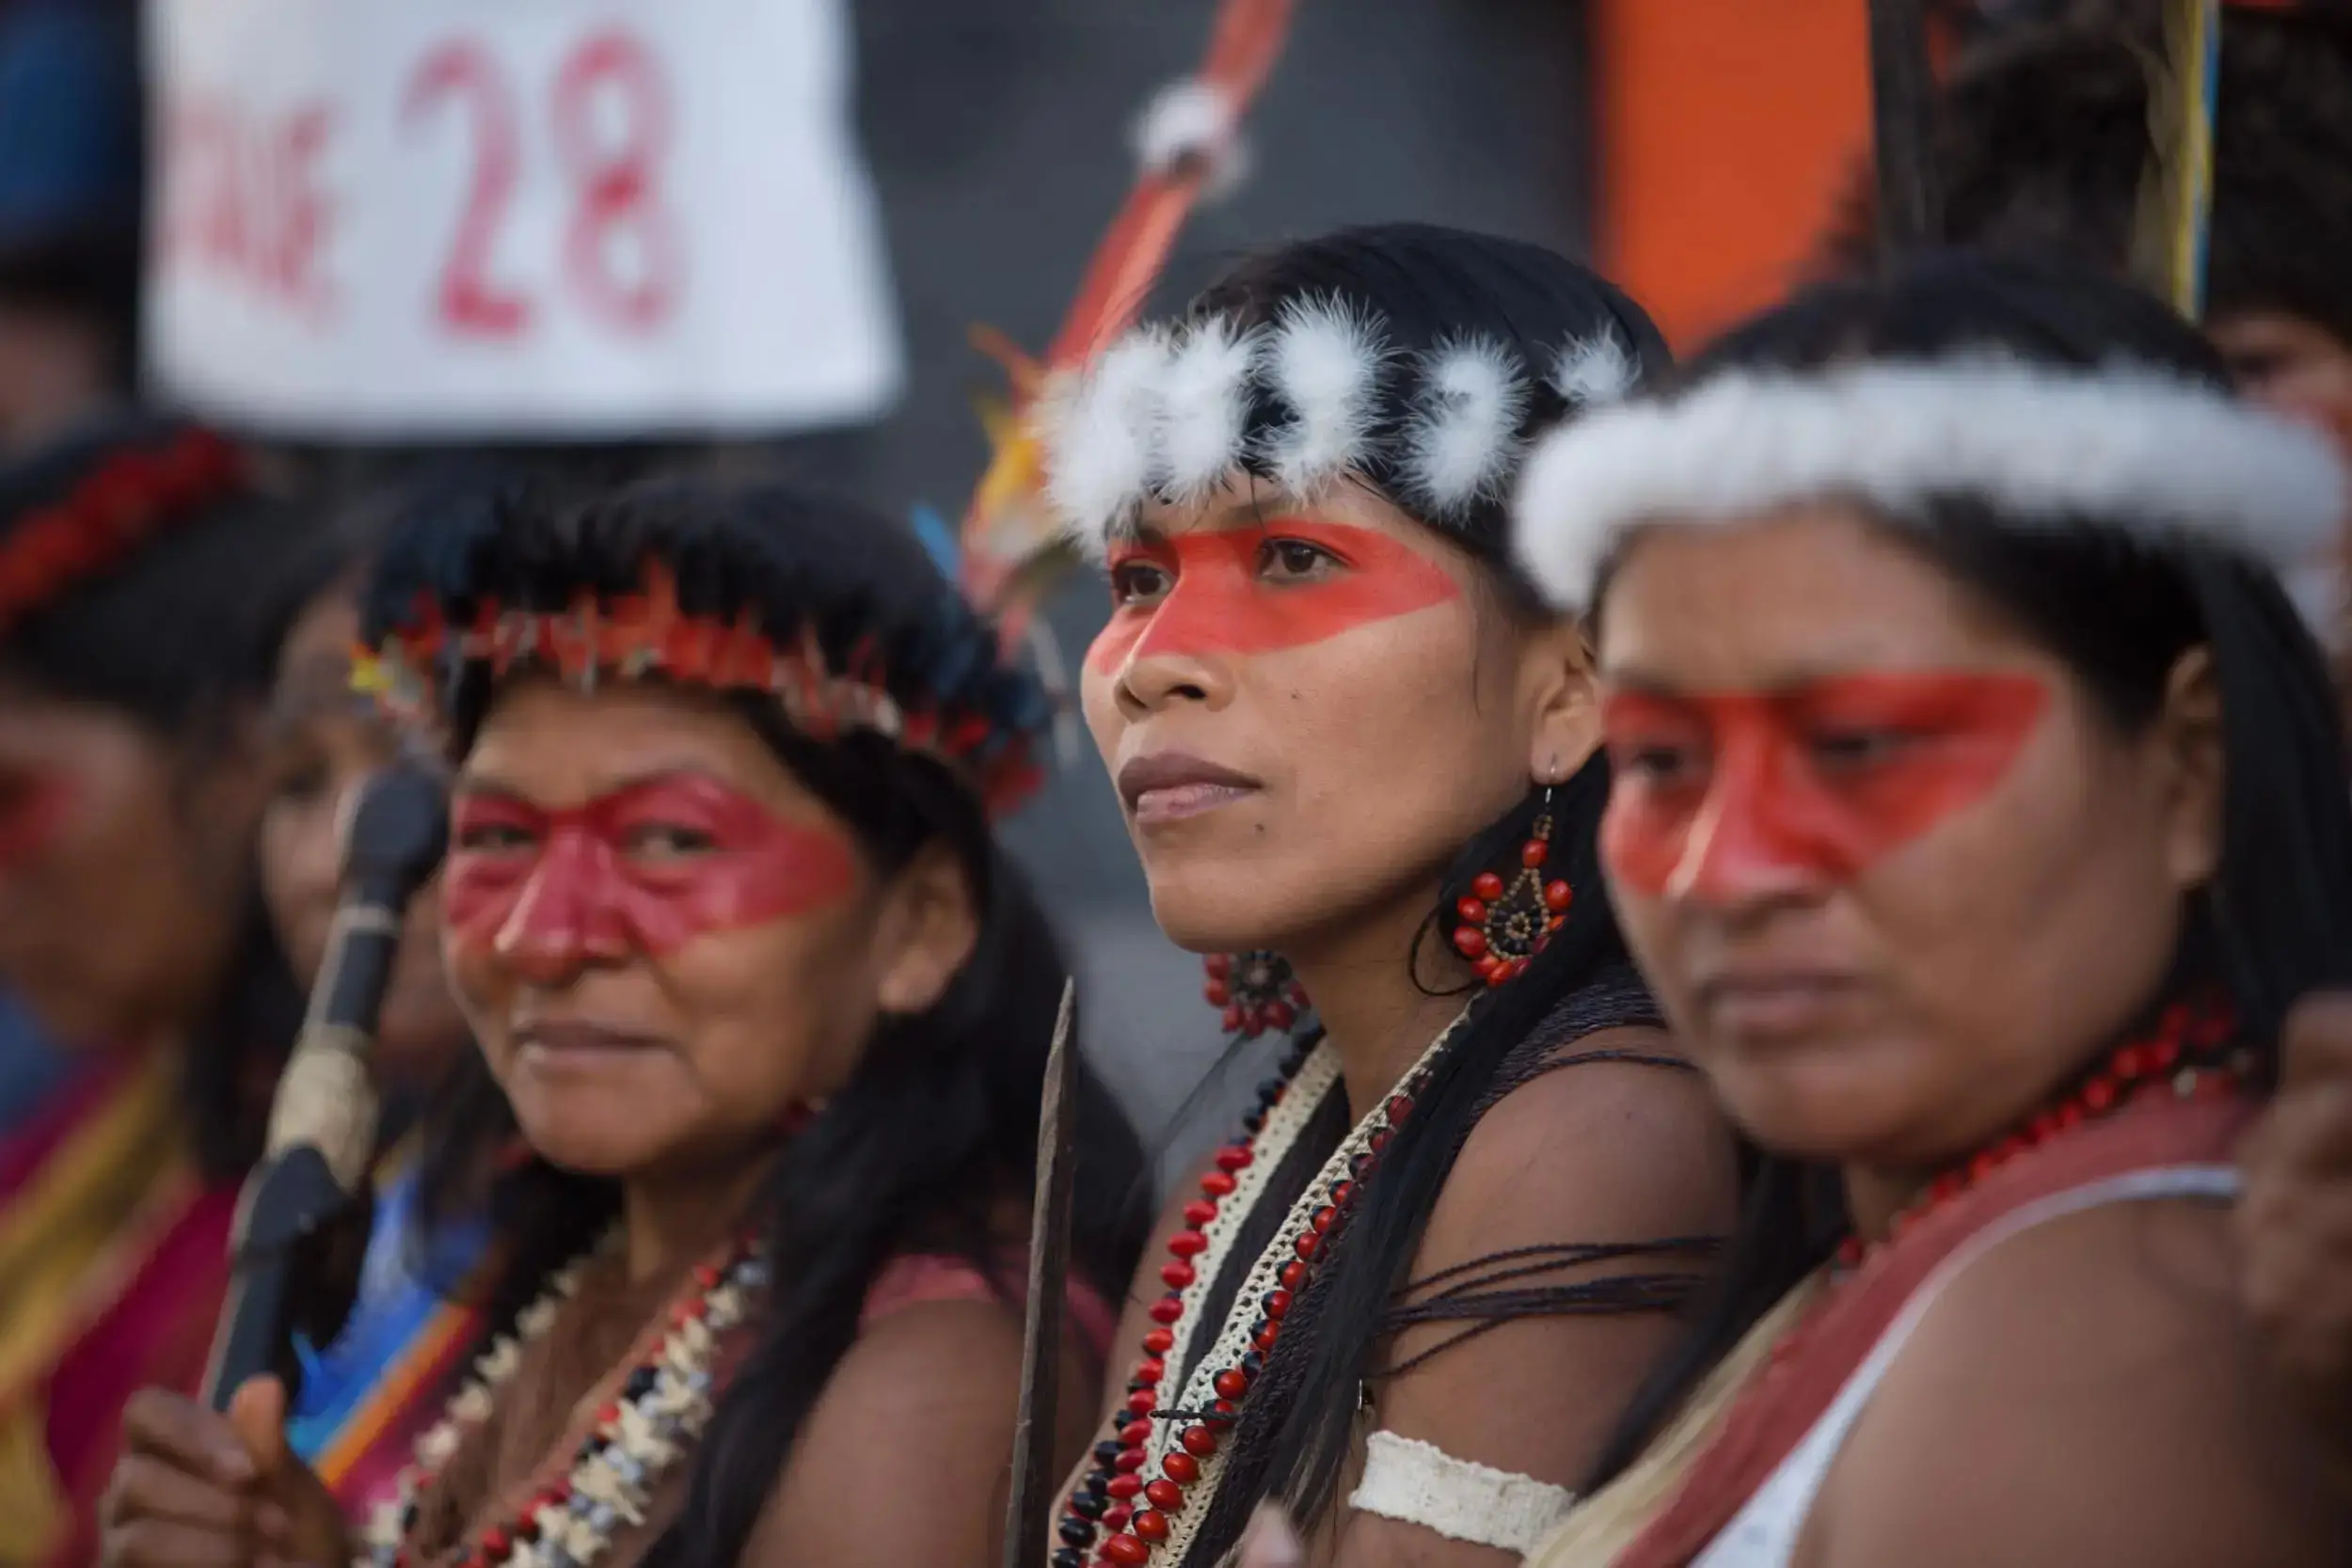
{"x": 144, "y": 1307}
{"x": 912, "y": 1279}
{"x": 24, "y": 1150}
{"x": 157, "y": 1333}
{"x": 1773, "y": 1415}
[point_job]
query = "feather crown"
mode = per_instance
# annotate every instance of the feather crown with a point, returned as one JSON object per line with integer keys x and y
{"x": 2123, "y": 444}
{"x": 837, "y": 615}
{"x": 1321, "y": 392}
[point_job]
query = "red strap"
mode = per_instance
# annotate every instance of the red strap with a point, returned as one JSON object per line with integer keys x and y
{"x": 1780, "y": 1406}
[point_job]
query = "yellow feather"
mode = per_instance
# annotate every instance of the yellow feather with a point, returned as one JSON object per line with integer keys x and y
{"x": 2176, "y": 192}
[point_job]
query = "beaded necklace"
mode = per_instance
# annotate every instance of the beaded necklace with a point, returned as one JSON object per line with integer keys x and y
{"x": 1147, "y": 1484}
{"x": 609, "y": 1480}
{"x": 2176, "y": 1051}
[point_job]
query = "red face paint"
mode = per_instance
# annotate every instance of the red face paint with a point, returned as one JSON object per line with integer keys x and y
{"x": 1227, "y": 592}
{"x": 647, "y": 869}
{"x": 31, "y": 810}
{"x": 1714, "y": 789}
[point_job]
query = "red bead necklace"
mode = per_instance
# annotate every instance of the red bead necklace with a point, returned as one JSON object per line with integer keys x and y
{"x": 2179, "y": 1049}
{"x": 1113, "y": 1500}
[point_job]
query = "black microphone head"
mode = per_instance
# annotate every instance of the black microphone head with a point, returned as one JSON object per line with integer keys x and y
{"x": 398, "y": 832}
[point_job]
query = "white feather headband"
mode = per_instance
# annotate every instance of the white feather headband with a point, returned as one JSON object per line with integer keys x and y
{"x": 2126, "y": 444}
{"x": 1165, "y": 415}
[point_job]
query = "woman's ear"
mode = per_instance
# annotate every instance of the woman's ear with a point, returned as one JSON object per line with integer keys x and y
{"x": 1559, "y": 689}
{"x": 929, "y": 922}
{"x": 2190, "y": 746}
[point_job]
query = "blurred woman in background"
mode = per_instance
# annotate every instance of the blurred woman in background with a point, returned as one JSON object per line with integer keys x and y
{"x": 763, "y": 1014}
{"x": 1980, "y": 812}
{"x": 1357, "y": 757}
{"x": 133, "y": 774}
{"x": 365, "y": 1399}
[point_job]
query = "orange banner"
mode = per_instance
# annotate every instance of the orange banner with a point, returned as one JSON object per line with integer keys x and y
{"x": 1728, "y": 130}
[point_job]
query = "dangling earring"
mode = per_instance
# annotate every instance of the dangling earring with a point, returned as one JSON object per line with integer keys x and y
{"x": 1257, "y": 990}
{"x": 1505, "y": 924}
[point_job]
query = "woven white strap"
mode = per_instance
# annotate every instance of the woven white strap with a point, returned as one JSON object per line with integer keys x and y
{"x": 1420, "y": 1483}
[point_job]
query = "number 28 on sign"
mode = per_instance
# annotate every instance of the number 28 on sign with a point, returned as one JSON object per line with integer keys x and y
{"x": 253, "y": 201}
{"x": 607, "y": 130}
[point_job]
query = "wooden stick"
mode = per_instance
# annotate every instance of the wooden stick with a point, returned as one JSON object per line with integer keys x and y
{"x": 1030, "y": 1505}
{"x": 1902, "y": 109}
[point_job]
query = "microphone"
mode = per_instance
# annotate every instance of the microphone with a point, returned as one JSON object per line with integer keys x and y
{"x": 303, "y": 1218}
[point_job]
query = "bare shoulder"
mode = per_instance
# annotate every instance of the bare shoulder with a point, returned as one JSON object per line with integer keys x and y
{"x": 896, "y": 1357}
{"x": 928, "y": 1391}
{"x": 1602, "y": 1151}
{"x": 2085, "y": 1392}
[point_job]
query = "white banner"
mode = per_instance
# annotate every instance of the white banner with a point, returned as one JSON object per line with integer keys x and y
{"x": 564, "y": 217}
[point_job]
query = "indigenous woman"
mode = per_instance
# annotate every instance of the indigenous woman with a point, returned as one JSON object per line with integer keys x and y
{"x": 1410, "y": 1295}
{"x": 132, "y": 775}
{"x": 769, "y": 1012}
{"x": 1979, "y": 812}
{"x": 365, "y": 1399}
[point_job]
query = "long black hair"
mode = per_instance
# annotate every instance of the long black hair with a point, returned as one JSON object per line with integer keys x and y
{"x": 2120, "y": 606}
{"x": 1427, "y": 288}
{"x": 163, "y": 632}
{"x": 937, "y": 1126}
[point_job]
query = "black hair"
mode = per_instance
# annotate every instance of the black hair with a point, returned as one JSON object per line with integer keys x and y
{"x": 1296, "y": 1429}
{"x": 345, "y": 537}
{"x": 938, "y": 1124}
{"x": 1429, "y": 287}
{"x": 2119, "y": 606}
{"x": 166, "y": 630}
{"x": 2041, "y": 143}
{"x": 164, "y": 634}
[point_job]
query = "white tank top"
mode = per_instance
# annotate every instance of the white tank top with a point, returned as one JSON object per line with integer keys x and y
{"x": 1763, "y": 1534}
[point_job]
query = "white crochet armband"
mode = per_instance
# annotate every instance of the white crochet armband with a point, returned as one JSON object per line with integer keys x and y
{"x": 1420, "y": 1483}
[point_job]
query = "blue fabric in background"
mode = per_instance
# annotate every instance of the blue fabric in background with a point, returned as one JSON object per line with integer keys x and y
{"x": 70, "y": 136}
{"x": 398, "y": 1295}
{"x": 31, "y": 1064}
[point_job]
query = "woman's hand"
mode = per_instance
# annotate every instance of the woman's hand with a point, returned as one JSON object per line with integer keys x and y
{"x": 2295, "y": 1222}
{"x": 195, "y": 1489}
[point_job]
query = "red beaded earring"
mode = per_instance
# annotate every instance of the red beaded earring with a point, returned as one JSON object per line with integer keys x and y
{"x": 1505, "y": 924}
{"x": 1256, "y": 990}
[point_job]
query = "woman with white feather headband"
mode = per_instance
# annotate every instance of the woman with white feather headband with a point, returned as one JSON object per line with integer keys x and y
{"x": 1410, "y": 1296}
{"x": 1978, "y": 814}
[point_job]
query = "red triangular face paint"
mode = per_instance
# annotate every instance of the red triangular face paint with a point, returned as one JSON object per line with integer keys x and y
{"x": 1823, "y": 780}
{"x": 609, "y": 875}
{"x": 1216, "y": 595}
